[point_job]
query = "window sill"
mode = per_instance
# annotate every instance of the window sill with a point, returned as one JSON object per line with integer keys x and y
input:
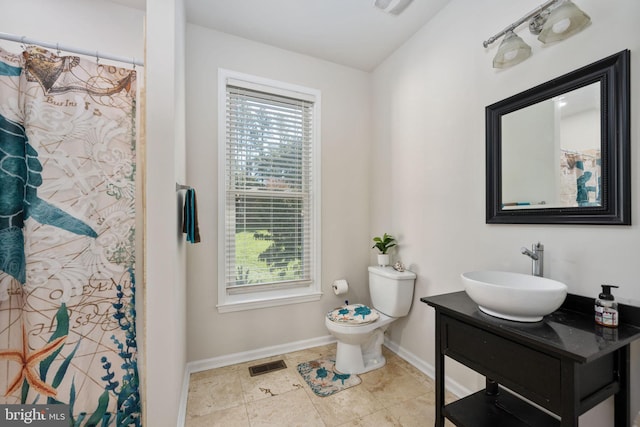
{"x": 242, "y": 302}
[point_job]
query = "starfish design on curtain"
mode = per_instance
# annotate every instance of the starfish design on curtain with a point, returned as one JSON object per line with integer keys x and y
{"x": 29, "y": 363}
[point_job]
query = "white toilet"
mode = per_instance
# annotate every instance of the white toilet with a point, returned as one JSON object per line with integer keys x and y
{"x": 359, "y": 329}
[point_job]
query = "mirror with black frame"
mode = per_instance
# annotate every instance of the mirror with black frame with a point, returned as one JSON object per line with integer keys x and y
{"x": 559, "y": 153}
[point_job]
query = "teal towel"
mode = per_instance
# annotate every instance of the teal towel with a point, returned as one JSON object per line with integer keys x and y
{"x": 190, "y": 217}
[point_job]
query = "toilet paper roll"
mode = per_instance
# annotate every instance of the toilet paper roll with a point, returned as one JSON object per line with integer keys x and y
{"x": 340, "y": 287}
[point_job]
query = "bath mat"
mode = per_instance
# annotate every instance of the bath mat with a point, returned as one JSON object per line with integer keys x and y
{"x": 324, "y": 380}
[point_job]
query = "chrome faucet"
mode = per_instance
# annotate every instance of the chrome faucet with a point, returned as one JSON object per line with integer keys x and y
{"x": 537, "y": 258}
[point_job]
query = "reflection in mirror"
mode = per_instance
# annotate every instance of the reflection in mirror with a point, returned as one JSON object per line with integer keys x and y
{"x": 551, "y": 152}
{"x": 559, "y": 153}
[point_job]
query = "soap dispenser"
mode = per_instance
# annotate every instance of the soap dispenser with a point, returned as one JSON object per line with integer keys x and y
{"x": 606, "y": 308}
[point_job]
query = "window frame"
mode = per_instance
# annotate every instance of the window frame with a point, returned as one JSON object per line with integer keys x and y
{"x": 269, "y": 296}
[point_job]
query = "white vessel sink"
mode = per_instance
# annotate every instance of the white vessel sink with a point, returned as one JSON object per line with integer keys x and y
{"x": 514, "y": 296}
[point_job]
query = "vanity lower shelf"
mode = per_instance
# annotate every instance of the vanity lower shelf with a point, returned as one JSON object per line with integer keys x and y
{"x": 502, "y": 410}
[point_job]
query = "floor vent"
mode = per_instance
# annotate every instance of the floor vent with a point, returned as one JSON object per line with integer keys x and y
{"x": 267, "y": 367}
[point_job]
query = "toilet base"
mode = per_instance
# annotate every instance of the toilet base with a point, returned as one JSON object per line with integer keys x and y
{"x": 358, "y": 359}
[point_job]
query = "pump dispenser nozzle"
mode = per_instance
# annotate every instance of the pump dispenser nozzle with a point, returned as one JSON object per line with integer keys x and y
{"x": 606, "y": 292}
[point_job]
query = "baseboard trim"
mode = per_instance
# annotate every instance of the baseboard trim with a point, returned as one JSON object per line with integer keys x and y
{"x": 261, "y": 353}
{"x": 426, "y": 368}
{"x": 182, "y": 408}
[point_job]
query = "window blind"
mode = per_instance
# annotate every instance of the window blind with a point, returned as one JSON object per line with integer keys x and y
{"x": 268, "y": 173}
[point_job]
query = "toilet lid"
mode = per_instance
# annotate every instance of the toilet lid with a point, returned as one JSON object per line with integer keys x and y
{"x": 353, "y": 314}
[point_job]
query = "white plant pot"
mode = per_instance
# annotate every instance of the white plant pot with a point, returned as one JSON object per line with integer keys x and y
{"x": 383, "y": 260}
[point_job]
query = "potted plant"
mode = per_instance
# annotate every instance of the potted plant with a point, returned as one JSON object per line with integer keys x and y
{"x": 383, "y": 244}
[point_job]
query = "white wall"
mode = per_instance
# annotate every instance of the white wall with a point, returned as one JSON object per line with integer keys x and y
{"x": 112, "y": 28}
{"x": 346, "y": 141}
{"x": 165, "y": 256}
{"x": 429, "y": 101}
{"x": 75, "y": 23}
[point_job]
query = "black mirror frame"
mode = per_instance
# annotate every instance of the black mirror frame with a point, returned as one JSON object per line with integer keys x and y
{"x": 613, "y": 73}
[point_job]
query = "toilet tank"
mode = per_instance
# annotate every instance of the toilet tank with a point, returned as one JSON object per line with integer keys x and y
{"x": 391, "y": 291}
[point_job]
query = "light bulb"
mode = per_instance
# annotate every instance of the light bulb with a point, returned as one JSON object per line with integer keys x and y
{"x": 508, "y": 56}
{"x": 561, "y": 26}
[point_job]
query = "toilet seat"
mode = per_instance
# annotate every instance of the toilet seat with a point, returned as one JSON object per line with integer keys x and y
{"x": 353, "y": 314}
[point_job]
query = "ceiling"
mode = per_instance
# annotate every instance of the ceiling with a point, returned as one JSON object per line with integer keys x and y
{"x": 349, "y": 32}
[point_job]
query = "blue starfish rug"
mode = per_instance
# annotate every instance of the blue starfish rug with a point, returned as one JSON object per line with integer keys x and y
{"x": 324, "y": 380}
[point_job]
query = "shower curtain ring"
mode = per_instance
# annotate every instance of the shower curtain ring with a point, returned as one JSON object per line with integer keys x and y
{"x": 97, "y": 58}
{"x": 58, "y": 49}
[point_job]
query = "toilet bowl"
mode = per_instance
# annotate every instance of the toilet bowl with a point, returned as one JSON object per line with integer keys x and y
{"x": 359, "y": 347}
{"x": 359, "y": 330}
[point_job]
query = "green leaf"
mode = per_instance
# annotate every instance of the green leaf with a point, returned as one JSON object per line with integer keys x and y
{"x": 81, "y": 418}
{"x": 72, "y": 401}
{"x": 62, "y": 329}
{"x": 62, "y": 319}
{"x": 384, "y": 243}
{"x": 25, "y": 391}
{"x": 106, "y": 420}
{"x": 62, "y": 370}
{"x": 103, "y": 402}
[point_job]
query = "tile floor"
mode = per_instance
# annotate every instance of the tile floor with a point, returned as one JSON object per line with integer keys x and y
{"x": 396, "y": 395}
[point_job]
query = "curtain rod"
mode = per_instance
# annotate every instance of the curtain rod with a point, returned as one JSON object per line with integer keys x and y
{"x": 57, "y": 46}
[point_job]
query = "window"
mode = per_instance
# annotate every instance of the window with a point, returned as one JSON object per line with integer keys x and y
{"x": 269, "y": 193}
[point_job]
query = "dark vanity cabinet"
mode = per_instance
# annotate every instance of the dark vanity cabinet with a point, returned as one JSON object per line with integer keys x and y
{"x": 565, "y": 363}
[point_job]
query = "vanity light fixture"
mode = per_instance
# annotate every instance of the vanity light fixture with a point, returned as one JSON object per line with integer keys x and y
{"x": 552, "y": 21}
{"x": 512, "y": 51}
{"x": 563, "y": 21}
{"x": 394, "y": 7}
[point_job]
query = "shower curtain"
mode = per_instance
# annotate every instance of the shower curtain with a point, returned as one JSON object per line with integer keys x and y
{"x": 67, "y": 237}
{"x": 580, "y": 178}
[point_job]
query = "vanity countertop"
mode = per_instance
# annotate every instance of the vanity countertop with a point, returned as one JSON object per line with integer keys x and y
{"x": 570, "y": 331}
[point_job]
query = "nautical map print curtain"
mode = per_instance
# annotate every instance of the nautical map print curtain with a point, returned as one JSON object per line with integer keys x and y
{"x": 67, "y": 237}
{"x": 580, "y": 178}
